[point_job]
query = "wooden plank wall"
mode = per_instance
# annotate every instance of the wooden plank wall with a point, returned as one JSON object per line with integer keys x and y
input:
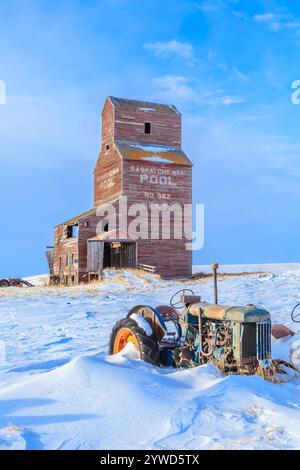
{"x": 107, "y": 177}
{"x": 165, "y": 128}
{"x": 114, "y": 176}
{"x": 64, "y": 246}
{"x": 108, "y": 169}
{"x": 170, "y": 257}
{"x": 95, "y": 251}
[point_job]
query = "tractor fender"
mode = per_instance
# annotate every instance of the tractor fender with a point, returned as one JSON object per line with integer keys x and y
{"x": 281, "y": 331}
{"x": 153, "y": 317}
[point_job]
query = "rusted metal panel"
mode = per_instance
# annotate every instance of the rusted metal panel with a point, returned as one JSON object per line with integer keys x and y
{"x": 281, "y": 331}
{"x": 250, "y": 313}
{"x": 152, "y": 153}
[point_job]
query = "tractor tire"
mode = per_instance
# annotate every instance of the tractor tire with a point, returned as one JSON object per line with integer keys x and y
{"x": 4, "y": 283}
{"x": 128, "y": 331}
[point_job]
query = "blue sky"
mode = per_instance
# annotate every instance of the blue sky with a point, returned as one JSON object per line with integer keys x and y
{"x": 227, "y": 65}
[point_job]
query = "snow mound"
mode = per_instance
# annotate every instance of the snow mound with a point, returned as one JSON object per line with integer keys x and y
{"x": 11, "y": 438}
{"x": 39, "y": 280}
{"x": 58, "y": 390}
{"x": 94, "y": 402}
{"x": 142, "y": 323}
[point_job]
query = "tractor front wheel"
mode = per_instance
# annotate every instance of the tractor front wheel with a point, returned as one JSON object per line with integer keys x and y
{"x": 127, "y": 331}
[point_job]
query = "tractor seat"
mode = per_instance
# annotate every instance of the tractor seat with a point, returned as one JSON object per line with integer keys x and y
{"x": 168, "y": 313}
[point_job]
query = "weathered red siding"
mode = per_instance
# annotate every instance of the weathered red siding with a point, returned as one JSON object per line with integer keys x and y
{"x": 173, "y": 186}
{"x": 107, "y": 177}
{"x": 64, "y": 246}
{"x": 143, "y": 180}
{"x": 130, "y": 125}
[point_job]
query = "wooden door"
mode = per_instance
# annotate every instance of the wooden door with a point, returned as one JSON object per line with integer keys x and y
{"x": 95, "y": 256}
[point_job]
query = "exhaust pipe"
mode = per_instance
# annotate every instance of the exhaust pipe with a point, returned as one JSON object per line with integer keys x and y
{"x": 214, "y": 268}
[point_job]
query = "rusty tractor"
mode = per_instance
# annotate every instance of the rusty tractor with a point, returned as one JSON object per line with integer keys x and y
{"x": 191, "y": 332}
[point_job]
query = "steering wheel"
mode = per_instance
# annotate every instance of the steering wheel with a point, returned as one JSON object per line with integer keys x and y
{"x": 177, "y": 304}
{"x": 296, "y": 315}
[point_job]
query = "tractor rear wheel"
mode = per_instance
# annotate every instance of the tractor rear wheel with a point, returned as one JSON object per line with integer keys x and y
{"x": 128, "y": 331}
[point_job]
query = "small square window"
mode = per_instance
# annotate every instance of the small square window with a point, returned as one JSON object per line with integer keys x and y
{"x": 147, "y": 128}
{"x": 107, "y": 147}
{"x": 72, "y": 231}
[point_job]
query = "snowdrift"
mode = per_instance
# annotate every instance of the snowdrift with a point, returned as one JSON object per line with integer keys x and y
{"x": 121, "y": 403}
{"x": 59, "y": 390}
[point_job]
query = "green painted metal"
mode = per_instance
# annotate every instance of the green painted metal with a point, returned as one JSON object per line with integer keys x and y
{"x": 247, "y": 314}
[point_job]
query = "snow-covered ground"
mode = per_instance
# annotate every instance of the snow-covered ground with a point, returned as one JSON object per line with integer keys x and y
{"x": 248, "y": 268}
{"x": 59, "y": 390}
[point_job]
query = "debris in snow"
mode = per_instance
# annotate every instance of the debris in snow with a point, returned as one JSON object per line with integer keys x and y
{"x": 142, "y": 323}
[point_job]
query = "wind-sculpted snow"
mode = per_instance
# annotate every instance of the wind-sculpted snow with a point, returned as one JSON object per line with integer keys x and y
{"x": 59, "y": 390}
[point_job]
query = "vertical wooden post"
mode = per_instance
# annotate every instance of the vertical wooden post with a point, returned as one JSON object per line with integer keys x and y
{"x": 214, "y": 268}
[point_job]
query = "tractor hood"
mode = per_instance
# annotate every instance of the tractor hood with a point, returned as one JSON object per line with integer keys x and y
{"x": 247, "y": 314}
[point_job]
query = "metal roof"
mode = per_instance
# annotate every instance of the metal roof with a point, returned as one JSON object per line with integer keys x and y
{"x": 144, "y": 105}
{"x": 152, "y": 153}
